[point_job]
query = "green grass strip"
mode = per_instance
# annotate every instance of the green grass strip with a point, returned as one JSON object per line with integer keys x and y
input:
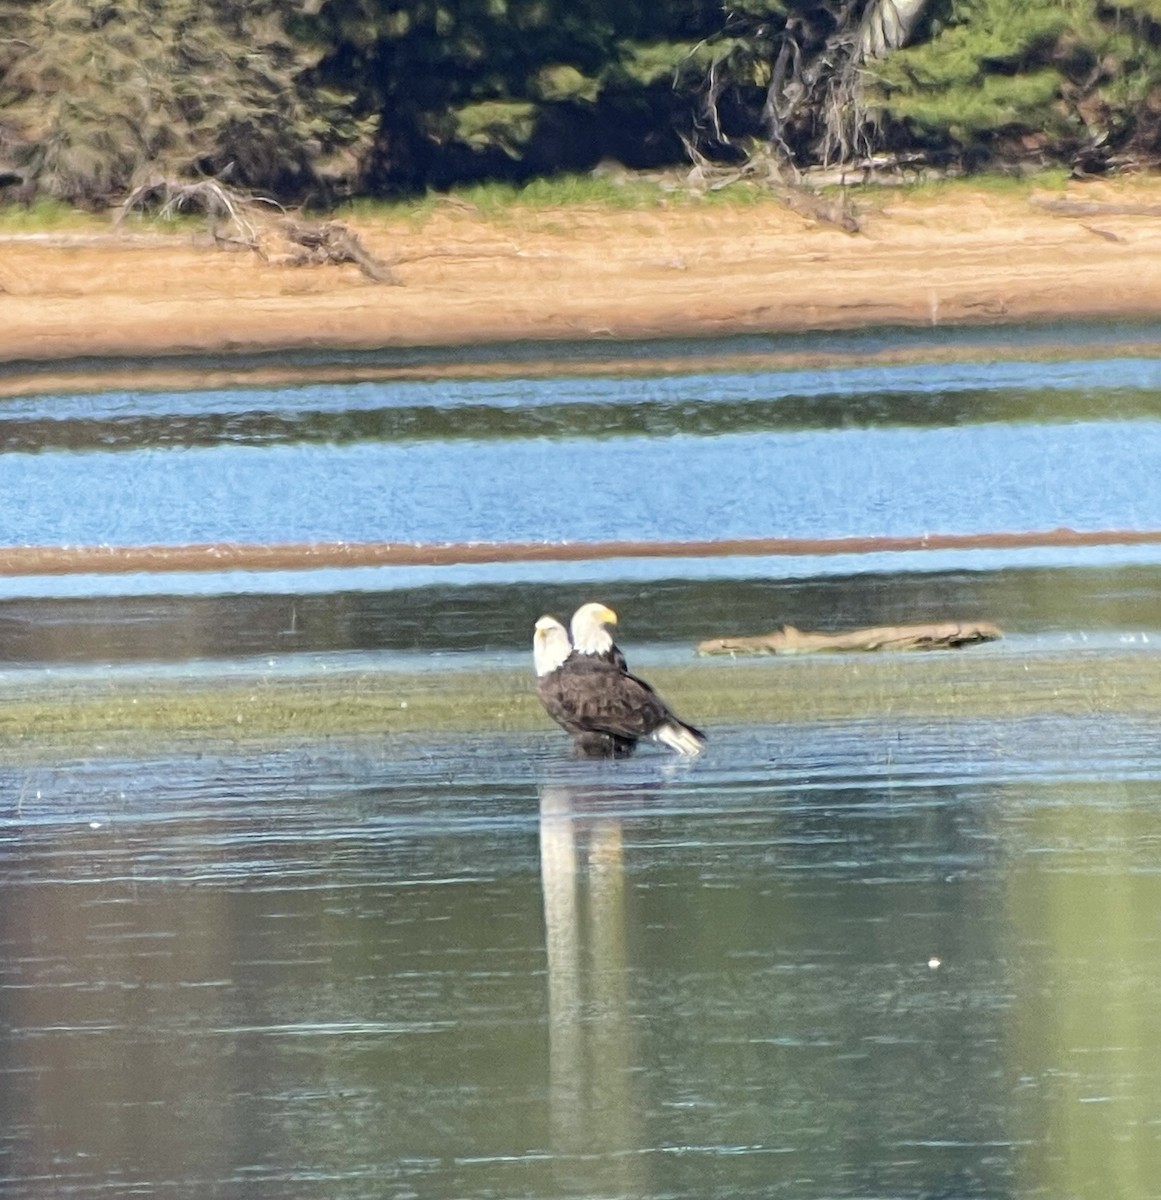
{"x": 134, "y": 716}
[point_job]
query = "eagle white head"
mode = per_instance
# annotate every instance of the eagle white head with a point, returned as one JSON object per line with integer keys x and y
{"x": 590, "y": 629}
{"x": 550, "y": 645}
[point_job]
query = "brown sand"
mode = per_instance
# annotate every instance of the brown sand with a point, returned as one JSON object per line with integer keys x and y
{"x": 950, "y": 255}
{"x": 953, "y": 255}
{"x": 225, "y": 556}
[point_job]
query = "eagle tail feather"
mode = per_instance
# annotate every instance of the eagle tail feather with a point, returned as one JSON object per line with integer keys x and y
{"x": 680, "y": 737}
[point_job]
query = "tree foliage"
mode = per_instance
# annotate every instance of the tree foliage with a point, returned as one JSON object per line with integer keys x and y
{"x": 301, "y": 98}
{"x": 93, "y": 94}
{"x": 1075, "y": 82}
{"x": 511, "y": 87}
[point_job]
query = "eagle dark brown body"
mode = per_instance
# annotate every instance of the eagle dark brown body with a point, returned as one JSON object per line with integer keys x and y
{"x": 588, "y": 696}
{"x": 604, "y": 707}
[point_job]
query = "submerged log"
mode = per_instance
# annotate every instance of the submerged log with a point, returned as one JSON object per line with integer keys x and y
{"x": 945, "y": 635}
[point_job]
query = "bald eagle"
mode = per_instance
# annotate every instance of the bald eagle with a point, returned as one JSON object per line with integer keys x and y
{"x": 551, "y": 649}
{"x": 591, "y": 696}
{"x": 590, "y": 634}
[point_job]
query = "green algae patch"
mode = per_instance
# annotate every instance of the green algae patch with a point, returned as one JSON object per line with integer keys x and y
{"x": 146, "y": 715}
{"x": 921, "y": 685}
{"x": 122, "y": 714}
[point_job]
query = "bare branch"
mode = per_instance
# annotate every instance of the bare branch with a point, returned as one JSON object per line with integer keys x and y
{"x": 241, "y": 222}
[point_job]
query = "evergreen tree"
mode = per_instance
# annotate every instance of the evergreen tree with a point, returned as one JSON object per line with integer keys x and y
{"x": 308, "y": 97}
{"x": 1006, "y": 82}
{"x": 95, "y": 94}
{"x": 511, "y": 86}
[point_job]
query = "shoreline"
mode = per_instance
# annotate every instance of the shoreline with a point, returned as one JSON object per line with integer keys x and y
{"x": 232, "y": 556}
{"x": 73, "y": 308}
{"x": 1043, "y": 342}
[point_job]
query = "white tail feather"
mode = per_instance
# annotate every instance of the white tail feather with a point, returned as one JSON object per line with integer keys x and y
{"x": 679, "y": 738}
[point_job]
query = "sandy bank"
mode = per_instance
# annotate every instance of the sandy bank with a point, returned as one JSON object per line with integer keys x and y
{"x": 950, "y": 256}
{"x": 227, "y": 556}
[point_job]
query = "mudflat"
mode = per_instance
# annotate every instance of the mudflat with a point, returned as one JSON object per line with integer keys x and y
{"x": 938, "y": 256}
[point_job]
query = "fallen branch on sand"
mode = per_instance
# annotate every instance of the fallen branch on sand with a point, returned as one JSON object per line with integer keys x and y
{"x": 240, "y": 222}
{"x": 229, "y": 214}
{"x": 766, "y": 171}
{"x": 946, "y": 635}
{"x": 332, "y": 242}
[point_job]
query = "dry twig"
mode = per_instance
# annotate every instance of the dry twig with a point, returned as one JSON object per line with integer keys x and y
{"x": 765, "y": 170}
{"x": 240, "y": 222}
{"x": 333, "y": 242}
{"x": 227, "y": 212}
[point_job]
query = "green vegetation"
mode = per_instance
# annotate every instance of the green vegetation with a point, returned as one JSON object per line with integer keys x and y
{"x": 137, "y": 718}
{"x": 95, "y": 97}
{"x": 995, "y": 81}
{"x": 999, "y": 183}
{"x": 324, "y": 100}
{"x": 46, "y": 214}
{"x": 559, "y": 191}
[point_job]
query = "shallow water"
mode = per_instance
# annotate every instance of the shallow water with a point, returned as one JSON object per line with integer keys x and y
{"x": 880, "y": 959}
{"x": 887, "y": 957}
{"x": 805, "y": 454}
{"x": 445, "y": 627}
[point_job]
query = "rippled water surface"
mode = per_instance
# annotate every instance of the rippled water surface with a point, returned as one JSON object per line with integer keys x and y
{"x": 868, "y": 960}
{"x": 823, "y": 453}
{"x": 889, "y": 957}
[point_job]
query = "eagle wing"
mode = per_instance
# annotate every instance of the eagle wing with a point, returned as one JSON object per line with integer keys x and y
{"x": 591, "y": 695}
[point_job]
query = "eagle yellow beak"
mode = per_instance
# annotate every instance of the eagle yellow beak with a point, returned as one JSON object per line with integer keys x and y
{"x": 606, "y": 616}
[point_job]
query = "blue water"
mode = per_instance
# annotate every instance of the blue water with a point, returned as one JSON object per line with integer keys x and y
{"x": 890, "y": 957}
{"x": 1093, "y": 378}
{"x": 295, "y": 465}
{"x": 833, "y": 484}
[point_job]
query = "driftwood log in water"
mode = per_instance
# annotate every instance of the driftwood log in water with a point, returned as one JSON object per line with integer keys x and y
{"x": 944, "y": 635}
